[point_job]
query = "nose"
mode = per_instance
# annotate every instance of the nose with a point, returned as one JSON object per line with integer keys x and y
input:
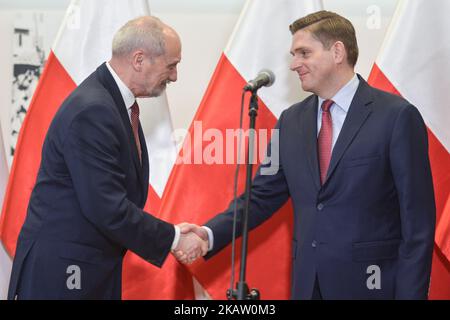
{"x": 173, "y": 76}
{"x": 295, "y": 64}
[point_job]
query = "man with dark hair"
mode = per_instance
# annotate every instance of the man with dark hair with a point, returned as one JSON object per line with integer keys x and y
{"x": 355, "y": 162}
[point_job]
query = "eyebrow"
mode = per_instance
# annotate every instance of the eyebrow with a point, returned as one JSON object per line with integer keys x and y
{"x": 174, "y": 63}
{"x": 298, "y": 49}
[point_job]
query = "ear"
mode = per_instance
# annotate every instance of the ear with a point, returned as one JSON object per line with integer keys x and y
{"x": 137, "y": 60}
{"x": 340, "y": 54}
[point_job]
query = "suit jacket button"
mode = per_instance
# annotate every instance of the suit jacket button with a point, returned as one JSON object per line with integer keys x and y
{"x": 320, "y": 206}
{"x": 314, "y": 244}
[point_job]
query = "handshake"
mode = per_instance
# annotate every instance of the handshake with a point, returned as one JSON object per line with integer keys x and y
{"x": 193, "y": 243}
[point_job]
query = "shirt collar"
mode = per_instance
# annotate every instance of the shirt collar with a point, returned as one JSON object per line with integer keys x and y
{"x": 127, "y": 95}
{"x": 343, "y": 98}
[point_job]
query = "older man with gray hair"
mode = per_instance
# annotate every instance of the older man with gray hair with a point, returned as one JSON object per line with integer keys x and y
{"x": 85, "y": 210}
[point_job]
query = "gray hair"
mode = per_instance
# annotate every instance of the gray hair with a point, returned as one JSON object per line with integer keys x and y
{"x": 146, "y": 33}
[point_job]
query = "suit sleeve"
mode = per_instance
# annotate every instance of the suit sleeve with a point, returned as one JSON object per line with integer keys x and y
{"x": 412, "y": 176}
{"x": 269, "y": 192}
{"x": 92, "y": 154}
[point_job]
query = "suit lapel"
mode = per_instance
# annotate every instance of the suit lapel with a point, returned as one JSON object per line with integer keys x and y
{"x": 108, "y": 81}
{"x": 358, "y": 112}
{"x": 309, "y": 124}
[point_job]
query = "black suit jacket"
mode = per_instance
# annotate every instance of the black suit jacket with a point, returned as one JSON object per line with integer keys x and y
{"x": 85, "y": 210}
{"x": 368, "y": 232}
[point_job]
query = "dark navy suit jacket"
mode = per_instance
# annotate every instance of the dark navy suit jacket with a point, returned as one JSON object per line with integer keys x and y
{"x": 375, "y": 210}
{"x": 86, "y": 206}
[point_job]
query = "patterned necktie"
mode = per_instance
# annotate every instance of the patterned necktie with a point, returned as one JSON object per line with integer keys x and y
{"x": 325, "y": 139}
{"x": 135, "y": 127}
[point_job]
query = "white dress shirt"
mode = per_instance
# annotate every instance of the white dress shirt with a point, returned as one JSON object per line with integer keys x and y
{"x": 339, "y": 109}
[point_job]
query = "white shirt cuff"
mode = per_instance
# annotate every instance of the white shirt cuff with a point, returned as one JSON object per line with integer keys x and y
{"x": 176, "y": 239}
{"x": 210, "y": 238}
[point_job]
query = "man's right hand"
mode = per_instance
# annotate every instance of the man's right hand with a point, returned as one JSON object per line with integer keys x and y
{"x": 193, "y": 243}
{"x": 186, "y": 227}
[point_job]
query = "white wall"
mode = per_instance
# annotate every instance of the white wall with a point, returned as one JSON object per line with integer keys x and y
{"x": 204, "y": 27}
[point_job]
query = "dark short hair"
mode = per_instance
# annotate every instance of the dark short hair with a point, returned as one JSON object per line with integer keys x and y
{"x": 328, "y": 27}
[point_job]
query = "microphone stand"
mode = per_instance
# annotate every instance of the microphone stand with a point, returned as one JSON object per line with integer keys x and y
{"x": 242, "y": 291}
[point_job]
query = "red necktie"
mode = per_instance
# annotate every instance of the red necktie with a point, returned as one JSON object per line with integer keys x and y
{"x": 135, "y": 127}
{"x": 325, "y": 140}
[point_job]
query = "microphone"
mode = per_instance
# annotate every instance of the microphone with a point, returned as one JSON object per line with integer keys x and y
{"x": 265, "y": 78}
